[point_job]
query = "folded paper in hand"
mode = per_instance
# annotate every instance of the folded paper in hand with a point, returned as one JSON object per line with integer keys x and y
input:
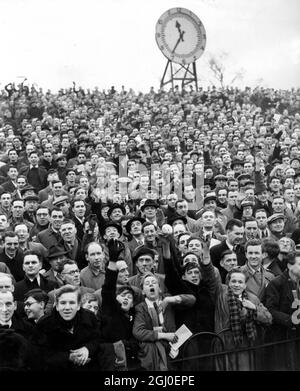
{"x": 183, "y": 334}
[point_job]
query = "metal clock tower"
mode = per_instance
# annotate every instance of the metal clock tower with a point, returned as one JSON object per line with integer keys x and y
{"x": 181, "y": 37}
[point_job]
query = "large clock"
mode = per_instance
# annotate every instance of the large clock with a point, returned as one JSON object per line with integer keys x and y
{"x": 180, "y": 35}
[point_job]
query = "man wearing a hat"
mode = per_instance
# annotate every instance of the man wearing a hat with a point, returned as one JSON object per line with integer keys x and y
{"x": 247, "y": 208}
{"x": 276, "y": 225}
{"x": 210, "y": 201}
{"x": 149, "y": 211}
{"x": 134, "y": 228}
{"x": 30, "y": 205}
{"x": 116, "y": 212}
{"x": 118, "y": 301}
{"x": 27, "y": 190}
{"x": 177, "y": 219}
{"x": 144, "y": 259}
{"x": 56, "y": 258}
{"x": 57, "y": 192}
{"x": 243, "y": 179}
{"x": 63, "y": 203}
{"x": 278, "y": 206}
{"x": 220, "y": 180}
{"x": 113, "y": 230}
{"x": 237, "y": 166}
{"x": 295, "y": 163}
{"x": 261, "y": 192}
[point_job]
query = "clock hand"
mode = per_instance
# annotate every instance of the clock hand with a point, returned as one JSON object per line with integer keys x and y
{"x": 178, "y": 26}
{"x": 177, "y": 43}
{"x": 181, "y": 33}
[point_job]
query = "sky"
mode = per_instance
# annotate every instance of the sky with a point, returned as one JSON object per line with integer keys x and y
{"x": 108, "y": 43}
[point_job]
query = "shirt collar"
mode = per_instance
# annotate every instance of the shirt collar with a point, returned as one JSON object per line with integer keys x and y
{"x": 150, "y": 303}
{"x": 152, "y": 222}
{"x": 9, "y": 323}
{"x": 38, "y": 278}
{"x": 252, "y": 271}
{"x": 8, "y": 256}
{"x": 80, "y": 220}
{"x": 96, "y": 272}
{"x": 230, "y": 246}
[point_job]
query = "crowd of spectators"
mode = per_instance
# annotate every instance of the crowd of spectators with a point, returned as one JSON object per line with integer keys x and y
{"x": 124, "y": 216}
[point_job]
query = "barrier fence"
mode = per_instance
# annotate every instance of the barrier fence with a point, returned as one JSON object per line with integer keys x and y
{"x": 282, "y": 355}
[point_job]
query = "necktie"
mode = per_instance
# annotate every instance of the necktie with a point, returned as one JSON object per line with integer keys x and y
{"x": 58, "y": 278}
{"x": 157, "y": 313}
{"x": 35, "y": 283}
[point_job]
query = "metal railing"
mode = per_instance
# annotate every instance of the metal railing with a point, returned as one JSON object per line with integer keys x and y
{"x": 209, "y": 351}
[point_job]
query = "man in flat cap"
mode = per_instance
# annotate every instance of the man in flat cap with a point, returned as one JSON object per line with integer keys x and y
{"x": 56, "y": 258}
{"x": 57, "y": 192}
{"x": 63, "y": 203}
{"x": 31, "y": 205}
{"x": 220, "y": 181}
{"x": 276, "y": 225}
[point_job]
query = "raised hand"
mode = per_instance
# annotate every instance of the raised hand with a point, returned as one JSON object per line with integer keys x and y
{"x": 205, "y": 259}
{"x": 115, "y": 247}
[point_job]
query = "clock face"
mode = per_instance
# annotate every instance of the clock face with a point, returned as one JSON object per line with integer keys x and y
{"x": 180, "y": 35}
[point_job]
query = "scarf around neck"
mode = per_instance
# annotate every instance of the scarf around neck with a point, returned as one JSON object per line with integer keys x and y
{"x": 235, "y": 309}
